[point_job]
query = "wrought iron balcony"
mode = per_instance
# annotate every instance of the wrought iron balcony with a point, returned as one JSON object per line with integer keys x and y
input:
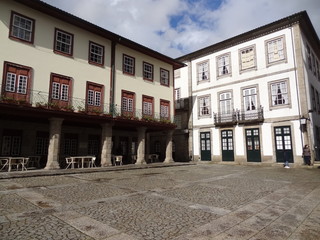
{"x": 251, "y": 116}
{"x": 225, "y": 119}
{"x": 42, "y": 100}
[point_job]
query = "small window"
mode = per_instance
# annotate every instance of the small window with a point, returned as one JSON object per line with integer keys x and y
{"x": 94, "y": 96}
{"x": 11, "y": 142}
{"x": 318, "y": 100}
{"x": 224, "y": 65}
{"x": 70, "y": 147}
{"x": 279, "y": 93}
{"x": 225, "y": 103}
{"x": 247, "y": 58}
{"x": 147, "y": 71}
{"x": 96, "y": 54}
{"x": 250, "y": 99}
{"x": 147, "y": 106}
{"x": 276, "y": 50}
{"x": 313, "y": 99}
{"x": 63, "y": 42}
{"x": 308, "y": 53}
{"x": 177, "y": 93}
{"x": 127, "y": 103}
{"x": 203, "y": 71}
{"x": 128, "y": 65}
{"x": 16, "y": 82}
{"x": 164, "y": 77}
{"x": 318, "y": 69}
{"x": 164, "y": 109}
{"x": 313, "y": 63}
{"x": 21, "y": 28}
{"x": 204, "y": 106}
{"x": 60, "y": 93}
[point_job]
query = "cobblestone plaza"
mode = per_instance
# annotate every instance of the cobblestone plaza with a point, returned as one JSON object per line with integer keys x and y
{"x": 203, "y": 201}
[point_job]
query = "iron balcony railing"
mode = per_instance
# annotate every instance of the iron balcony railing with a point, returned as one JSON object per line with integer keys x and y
{"x": 41, "y": 100}
{"x": 237, "y": 116}
{"x": 251, "y": 116}
{"x": 225, "y": 118}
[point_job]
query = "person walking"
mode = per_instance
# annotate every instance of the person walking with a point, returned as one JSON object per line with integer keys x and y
{"x": 306, "y": 155}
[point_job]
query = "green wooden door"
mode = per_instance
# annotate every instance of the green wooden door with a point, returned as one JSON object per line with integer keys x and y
{"x": 253, "y": 145}
{"x": 227, "y": 145}
{"x": 205, "y": 143}
{"x": 283, "y": 144}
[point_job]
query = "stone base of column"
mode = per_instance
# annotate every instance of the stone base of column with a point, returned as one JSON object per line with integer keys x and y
{"x": 140, "y": 162}
{"x": 51, "y": 166}
{"x": 168, "y": 160}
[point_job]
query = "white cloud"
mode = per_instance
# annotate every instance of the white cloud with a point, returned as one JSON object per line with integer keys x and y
{"x": 148, "y": 21}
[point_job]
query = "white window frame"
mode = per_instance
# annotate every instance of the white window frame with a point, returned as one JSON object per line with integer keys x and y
{"x": 250, "y": 99}
{"x": 11, "y": 82}
{"x": 147, "y": 71}
{"x": 274, "y": 94}
{"x": 63, "y": 42}
{"x": 96, "y": 53}
{"x": 164, "y": 77}
{"x": 225, "y": 103}
{"x": 224, "y": 65}
{"x": 94, "y": 98}
{"x": 22, "y": 27}
{"x": 204, "y": 109}
{"x": 128, "y": 64}
{"x": 203, "y": 74}
{"x": 127, "y": 104}
{"x": 22, "y": 84}
{"x": 147, "y": 108}
{"x": 276, "y": 50}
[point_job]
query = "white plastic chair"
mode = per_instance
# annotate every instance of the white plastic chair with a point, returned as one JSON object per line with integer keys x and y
{"x": 70, "y": 162}
{"x": 118, "y": 160}
{"x": 92, "y": 162}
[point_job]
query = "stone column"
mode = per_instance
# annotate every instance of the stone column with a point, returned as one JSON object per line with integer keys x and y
{"x": 141, "y": 145}
{"x": 106, "y": 139}
{"x": 54, "y": 143}
{"x": 169, "y": 158}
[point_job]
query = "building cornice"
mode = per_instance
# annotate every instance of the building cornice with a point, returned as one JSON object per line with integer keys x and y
{"x": 301, "y": 18}
{"x": 83, "y": 24}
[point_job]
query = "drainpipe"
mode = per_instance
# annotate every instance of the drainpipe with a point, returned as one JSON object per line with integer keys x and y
{"x": 296, "y": 80}
{"x": 112, "y": 75}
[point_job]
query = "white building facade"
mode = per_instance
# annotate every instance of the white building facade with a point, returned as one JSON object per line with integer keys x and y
{"x": 254, "y": 98}
{"x": 71, "y": 88}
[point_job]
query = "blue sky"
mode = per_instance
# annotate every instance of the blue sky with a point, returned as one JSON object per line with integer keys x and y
{"x": 178, "y": 27}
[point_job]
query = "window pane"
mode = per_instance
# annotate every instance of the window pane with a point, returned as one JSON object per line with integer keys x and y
{"x": 90, "y": 97}
{"x": 22, "y": 84}
{"x": 64, "y": 92}
{"x": 55, "y": 90}
{"x": 11, "y": 81}
{"x": 22, "y": 28}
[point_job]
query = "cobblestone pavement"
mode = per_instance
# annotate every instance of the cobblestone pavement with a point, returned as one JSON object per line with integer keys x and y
{"x": 204, "y": 201}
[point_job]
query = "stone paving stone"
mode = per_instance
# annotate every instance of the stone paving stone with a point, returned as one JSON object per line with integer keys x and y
{"x": 148, "y": 217}
{"x": 87, "y": 225}
{"x": 227, "y": 198}
{"x": 196, "y": 202}
{"x": 82, "y": 192}
{"x": 12, "y": 203}
{"x": 39, "y": 228}
{"x": 44, "y": 181}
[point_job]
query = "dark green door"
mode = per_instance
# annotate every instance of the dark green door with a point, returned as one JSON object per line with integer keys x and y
{"x": 205, "y": 146}
{"x": 227, "y": 145}
{"x": 283, "y": 144}
{"x": 253, "y": 145}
